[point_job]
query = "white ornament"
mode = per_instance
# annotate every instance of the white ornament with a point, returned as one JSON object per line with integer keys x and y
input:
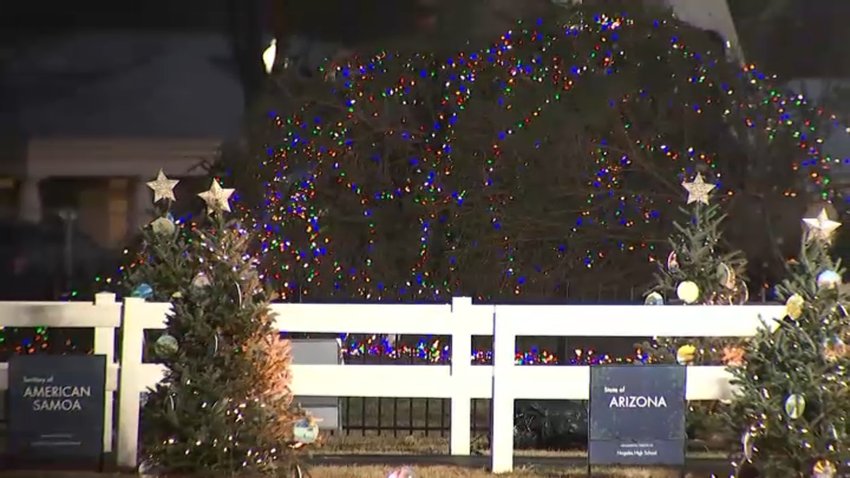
{"x": 828, "y": 280}
{"x": 688, "y": 292}
{"x": 654, "y": 298}
{"x": 163, "y": 226}
{"x": 201, "y": 281}
{"x": 166, "y": 346}
{"x": 795, "y": 406}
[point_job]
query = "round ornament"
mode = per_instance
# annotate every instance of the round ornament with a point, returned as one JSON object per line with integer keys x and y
{"x": 201, "y": 281}
{"x": 672, "y": 262}
{"x": 743, "y": 294}
{"x": 794, "y": 306}
{"x": 688, "y": 292}
{"x": 726, "y": 275}
{"x": 143, "y": 291}
{"x": 163, "y": 226}
{"x": 824, "y": 469}
{"x": 829, "y": 279}
{"x": 834, "y": 349}
{"x": 685, "y": 354}
{"x": 654, "y": 298}
{"x": 747, "y": 444}
{"x": 795, "y": 405}
{"x": 166, "y": 345}
{"x": 401, "y": 472}
{"x": 305, "y": 431}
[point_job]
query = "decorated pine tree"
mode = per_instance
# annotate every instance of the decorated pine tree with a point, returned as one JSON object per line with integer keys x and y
{"x": 792, "y": 401}
{"x": 223, "y": 405}
{"x": 699, "y": 270}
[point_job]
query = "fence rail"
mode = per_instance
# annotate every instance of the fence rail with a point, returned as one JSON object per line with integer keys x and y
{"x": 460, "y": 382}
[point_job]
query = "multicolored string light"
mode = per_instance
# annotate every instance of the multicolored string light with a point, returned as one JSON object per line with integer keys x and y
{"x": 434, "y": 351}
{"x": 330, "y": 155}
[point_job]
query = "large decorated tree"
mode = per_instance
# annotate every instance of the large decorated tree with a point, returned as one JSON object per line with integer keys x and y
{"x": 792, "y": 401}
{"x": 700, "y": 270}
{"x": 539, "y": 167}
{"x": 224, "y": 404}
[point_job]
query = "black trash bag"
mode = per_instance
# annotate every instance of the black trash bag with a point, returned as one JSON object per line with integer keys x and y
{"x": 550, "y": 424}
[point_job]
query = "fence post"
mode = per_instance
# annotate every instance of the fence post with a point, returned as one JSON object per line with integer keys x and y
{"x": 459, "y": 442}
{"x": 502, "y": 427}
{"x": 132, "y": 339}
{"x": 104, "y": 344}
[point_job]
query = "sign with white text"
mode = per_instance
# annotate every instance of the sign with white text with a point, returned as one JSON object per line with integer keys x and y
{"x": 56, "y": 408}
{"x": 637, "y": 415}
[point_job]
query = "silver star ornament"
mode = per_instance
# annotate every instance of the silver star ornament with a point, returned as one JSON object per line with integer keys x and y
{"x": 163, "y": 188}
{"x": 821, "y": 227}
{"x": 698, "y": 190}
{"x": 216, "y": 198}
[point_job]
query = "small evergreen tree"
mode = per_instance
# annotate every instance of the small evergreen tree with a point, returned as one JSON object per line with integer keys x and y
{"x": 699, "y": 271}
{"x": 792, "y": 401}
{"x": 224, "y": 405}
{"x": 160, "y": 263}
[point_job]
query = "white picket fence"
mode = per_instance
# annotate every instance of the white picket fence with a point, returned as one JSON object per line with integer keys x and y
{"x": 460, "y": 382}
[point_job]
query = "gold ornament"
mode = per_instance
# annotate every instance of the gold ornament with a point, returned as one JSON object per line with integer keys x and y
{"x": 698, "y": 190}
{"x": 821, "y": 227}
{"x": 163, "y": 226}
{"x": 743, "y": 294}
{"x": 163, "y": 188}
{"x": 794, "y": 306}
{"x": 216, "y": 198}
{"x": 823, "y": 469}
{"x": 685, "y": 354}
{"x": 688, "y": 292}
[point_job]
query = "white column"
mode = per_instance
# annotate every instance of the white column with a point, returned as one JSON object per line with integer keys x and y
{"x": 141, "y": 205}
{"x": 29, "y": 200}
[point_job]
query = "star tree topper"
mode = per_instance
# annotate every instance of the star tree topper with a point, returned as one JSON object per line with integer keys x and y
{"x": 821, "y": 226}
{"x": 216, "y": 198}
{"x": 163, "y": 188}
{"x": 698, "y": 190}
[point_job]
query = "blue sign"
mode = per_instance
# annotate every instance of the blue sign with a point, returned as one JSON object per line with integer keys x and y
{"x": 56, "y": 408}
{"x": 637, "y": 415}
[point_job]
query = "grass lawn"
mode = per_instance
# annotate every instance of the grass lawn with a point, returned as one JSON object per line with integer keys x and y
{"x": 423, "y": 445}
{"x": 453, "y": 472}
{"x": 420, "y": 472}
